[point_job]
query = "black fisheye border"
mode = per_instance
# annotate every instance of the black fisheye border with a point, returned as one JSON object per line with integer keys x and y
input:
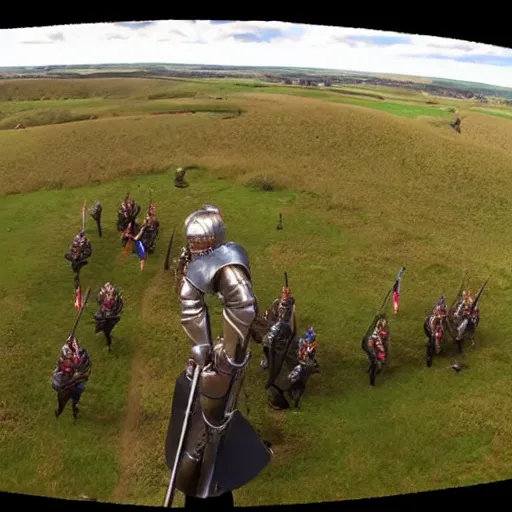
{"x": 446, "y": 23}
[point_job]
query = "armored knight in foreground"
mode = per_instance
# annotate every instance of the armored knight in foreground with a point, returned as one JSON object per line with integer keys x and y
{"x": 111, "y": 304}
{"x": 210, "y": 448}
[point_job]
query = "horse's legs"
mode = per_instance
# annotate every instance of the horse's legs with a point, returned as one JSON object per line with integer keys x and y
{"x": 264, "y": 359}
{"x": 62, "y": 400}
{"x": 75, "y": 397}
{"x": 108, "y": 326}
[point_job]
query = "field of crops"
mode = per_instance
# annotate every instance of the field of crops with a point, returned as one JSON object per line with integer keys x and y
{"x": 364, "y": 186}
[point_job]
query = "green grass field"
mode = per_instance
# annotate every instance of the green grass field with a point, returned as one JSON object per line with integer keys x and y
{"x": 364, "y": 187}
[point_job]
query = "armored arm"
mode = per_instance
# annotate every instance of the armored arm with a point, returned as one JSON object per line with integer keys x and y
{"x": 240, "y": 308}
{"x": 196, "y": 322}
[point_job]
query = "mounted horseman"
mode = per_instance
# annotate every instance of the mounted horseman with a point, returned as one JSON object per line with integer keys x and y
{"x": 307, "y": 349}
{"x": 375, "y": 342}
{"x": 434, "y": 328}
{"x": 282, "y": 316}
{"x": 283, "y": 307}
{"x": 211, "y": 449}
{"x": 127, "y": 219}
{"x": 72, "y": 371}
{"x": 464, "y": 318}
{"x": 79, "y": 252}
{"x": 111, "y": 304}
{"x": 95, "y": 212}
{"x": 305, "y": 366}
{"x": 143, "y": 243}
{"x": 280, "y": 346}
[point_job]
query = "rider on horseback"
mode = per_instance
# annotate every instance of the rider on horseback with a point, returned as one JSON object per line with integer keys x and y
{"x": 465, "y": 309}
{"x": 79, "y": 251}
{"x": 307, "y": 349}
{"x": 126, "y": 217}
{"x": 68, "y": 377}
{"x": 378, "y": 340}
{"x": 70, "y": 358}
{"x": 435, "y": 322}
{"x": 78, "y": 254}
{"x": 281, "y": 310}
{"x": 111, "y": 304}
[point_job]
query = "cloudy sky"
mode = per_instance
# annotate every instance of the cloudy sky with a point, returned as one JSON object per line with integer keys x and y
{"x": 257, "y": 43}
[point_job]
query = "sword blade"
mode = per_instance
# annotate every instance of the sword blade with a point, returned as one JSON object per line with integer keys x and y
{"x": 169, "y": 497}
{"x": 79, "y": 316}
{"x": 169, "y": 248}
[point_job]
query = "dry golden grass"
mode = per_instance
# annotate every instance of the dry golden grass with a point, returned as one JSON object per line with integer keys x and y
{"x": 294, "y": 141}
{"x": 61, "y": 89}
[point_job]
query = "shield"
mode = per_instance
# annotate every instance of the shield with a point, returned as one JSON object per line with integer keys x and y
{"x": 241, "y": 456}
{"x": 141, "y": 250}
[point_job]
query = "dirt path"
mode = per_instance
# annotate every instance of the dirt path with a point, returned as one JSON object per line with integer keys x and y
{"x": 129, "y": 446}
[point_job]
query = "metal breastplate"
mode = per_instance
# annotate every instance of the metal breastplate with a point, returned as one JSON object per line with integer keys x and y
{"x": 201, "y": 271}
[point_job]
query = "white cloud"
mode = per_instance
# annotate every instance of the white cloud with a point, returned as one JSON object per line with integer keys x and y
{"x": 257, "y": 43}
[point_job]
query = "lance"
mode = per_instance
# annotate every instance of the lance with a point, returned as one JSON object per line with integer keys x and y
{"x": 478, "y": 295}
{"x": 169, "y": 249}
{"x": 81, "y": 310}
{"x": 83, "y": 215}
{"x": 169, "y": 497}
{"x": 378, "y": 314}
{"x": 460, "y": 291}
{"x": 150, "y": 203}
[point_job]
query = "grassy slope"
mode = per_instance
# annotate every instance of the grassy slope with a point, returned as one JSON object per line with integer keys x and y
{"x": 411, "y": 193}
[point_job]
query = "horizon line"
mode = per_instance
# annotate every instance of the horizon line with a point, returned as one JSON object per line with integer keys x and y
{"x": 367, "y": 73}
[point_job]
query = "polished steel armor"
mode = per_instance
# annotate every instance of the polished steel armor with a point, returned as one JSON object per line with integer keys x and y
{"x": 220, "y": 268}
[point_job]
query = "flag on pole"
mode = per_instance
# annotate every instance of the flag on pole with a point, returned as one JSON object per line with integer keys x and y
{"x": 396, "y": 291}
{"x": 78, "y": 298}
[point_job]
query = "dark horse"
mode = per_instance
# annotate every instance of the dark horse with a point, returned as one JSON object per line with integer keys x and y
{"x": 298, "y": 379}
